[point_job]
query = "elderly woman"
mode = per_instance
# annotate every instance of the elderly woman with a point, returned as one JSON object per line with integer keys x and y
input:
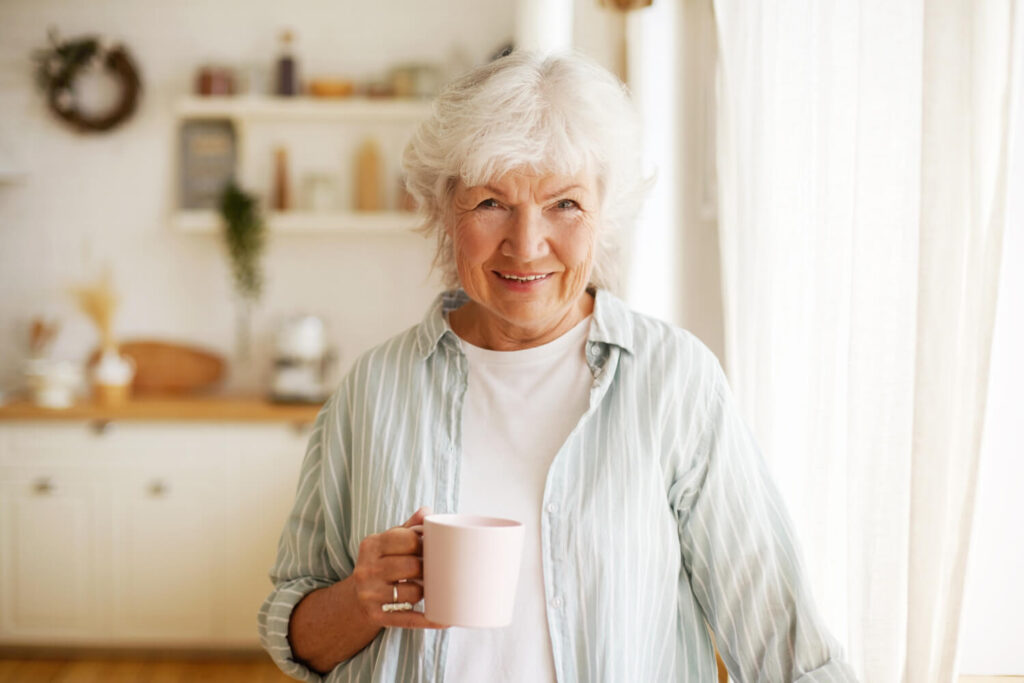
{"x": 529, "y": 391}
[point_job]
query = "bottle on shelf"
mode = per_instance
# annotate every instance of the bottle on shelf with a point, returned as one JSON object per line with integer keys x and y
{"x": 282, "y": 196}
{"x": 287, "y": 68}
{"x": 368, "y": 173}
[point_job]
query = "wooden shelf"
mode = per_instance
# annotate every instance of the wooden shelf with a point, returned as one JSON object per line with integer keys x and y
{"x": 294, "y": 113}
{"x": 252, "y": 108}
{"x": 168, "y": 408}
{"x": 307, "y": 222}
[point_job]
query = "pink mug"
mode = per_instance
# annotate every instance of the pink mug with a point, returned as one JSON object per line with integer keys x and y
{"x": 471, "y": 569}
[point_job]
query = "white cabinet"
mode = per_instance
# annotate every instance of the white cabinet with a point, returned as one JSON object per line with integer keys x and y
{"x": 47, "y": 552}
{"x": 169, "y": 562}
{"x": 150, "y": 534}
{"x": 321, "y": 136}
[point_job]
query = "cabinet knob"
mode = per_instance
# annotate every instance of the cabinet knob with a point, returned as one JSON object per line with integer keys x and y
{"x": 43, "y": 486}
{"x": 159, "y": 488}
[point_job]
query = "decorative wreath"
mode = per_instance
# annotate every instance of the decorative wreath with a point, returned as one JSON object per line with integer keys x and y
{"x": 59, "y": 66}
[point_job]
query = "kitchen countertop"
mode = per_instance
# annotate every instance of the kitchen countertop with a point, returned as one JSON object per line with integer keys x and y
{"x": 168, "y": 408}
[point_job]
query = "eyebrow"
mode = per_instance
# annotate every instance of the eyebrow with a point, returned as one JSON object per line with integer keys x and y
{"x": 574, "y": 186}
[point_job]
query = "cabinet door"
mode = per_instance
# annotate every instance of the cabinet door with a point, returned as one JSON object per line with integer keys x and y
{"x": 168, "y": 540}
{"x": 264, "y": 489}
{"x": 48, "y": 555}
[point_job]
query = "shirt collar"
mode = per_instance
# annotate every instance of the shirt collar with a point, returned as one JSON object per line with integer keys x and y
{"x": 613, "y": 321}
{"x": 611, "y": 324}
{"x": 434, "y": 327}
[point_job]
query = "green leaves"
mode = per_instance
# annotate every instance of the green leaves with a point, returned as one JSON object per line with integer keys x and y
{"x": 244, "y": 234}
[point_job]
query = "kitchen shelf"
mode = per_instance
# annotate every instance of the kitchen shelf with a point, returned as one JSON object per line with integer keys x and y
{"x": 162, "y": 408}
{"x": 308, "y": 222}
{"x": 309, "y": 126}
{"x": 251, "y": 108}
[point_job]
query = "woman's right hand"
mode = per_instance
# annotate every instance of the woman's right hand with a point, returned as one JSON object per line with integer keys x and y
{"x": 389, "y": 559}
{"x": 332, "y": 624}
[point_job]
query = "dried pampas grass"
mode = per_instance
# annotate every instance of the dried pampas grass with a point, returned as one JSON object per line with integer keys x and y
{"x": 99, "y": 303}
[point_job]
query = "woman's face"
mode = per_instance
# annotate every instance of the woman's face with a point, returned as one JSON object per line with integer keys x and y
{"x": 524, "y": 247}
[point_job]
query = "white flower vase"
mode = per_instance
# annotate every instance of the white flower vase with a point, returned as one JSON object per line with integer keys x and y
{"x": 112, "y": 377}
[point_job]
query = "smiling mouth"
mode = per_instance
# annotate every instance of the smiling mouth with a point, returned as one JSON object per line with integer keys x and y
{"x": 522, "y": 278}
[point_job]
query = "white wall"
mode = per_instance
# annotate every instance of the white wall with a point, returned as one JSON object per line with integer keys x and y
{"x": 87, "y": 201}
{"x": 992, "y": 630}
{"x": 674, "y": 258}
{"x": 599, "y": 33}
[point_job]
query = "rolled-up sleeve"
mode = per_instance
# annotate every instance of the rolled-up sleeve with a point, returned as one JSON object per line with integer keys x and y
{"x": 741, "y": 559}
{"x": 305, "y": 562}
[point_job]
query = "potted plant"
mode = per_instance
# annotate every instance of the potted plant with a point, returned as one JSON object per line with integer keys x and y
{"x": 244, "y": 237}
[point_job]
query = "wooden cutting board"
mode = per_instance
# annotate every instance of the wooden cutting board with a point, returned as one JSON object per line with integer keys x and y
{"x": 168, "y": 368}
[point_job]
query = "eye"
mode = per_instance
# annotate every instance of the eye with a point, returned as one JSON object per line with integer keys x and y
{"x": 489, "y": 203}
{"x": 566, "y": 204}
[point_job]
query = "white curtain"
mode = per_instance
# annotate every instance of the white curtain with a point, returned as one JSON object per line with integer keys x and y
{"x": 862, "y": 185}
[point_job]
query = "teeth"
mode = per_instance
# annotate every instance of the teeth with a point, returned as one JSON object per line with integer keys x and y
{"x": 528, "y": 278}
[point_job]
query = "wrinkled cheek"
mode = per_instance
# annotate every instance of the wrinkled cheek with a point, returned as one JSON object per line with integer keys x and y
{"x": 462, "y": 263}
{"x": 578, "y": 275}
{"x": 472, "y": 276}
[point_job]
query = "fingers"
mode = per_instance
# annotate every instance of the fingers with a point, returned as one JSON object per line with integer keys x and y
{"x": 417, "y": 517}
{"x": 373, "y": 594}
{"x": 400, "y": 541}
{"x": 410, "y": 619}
{"x": 378, "y": 594}
{"x": 389, "y": 560}
{"x": 406, "y": 539}
{"x": 396, "y": 541}
{"x": 408, "y": 591}
{"x": 375, "y": 579}
{"x": 396, "y": 568}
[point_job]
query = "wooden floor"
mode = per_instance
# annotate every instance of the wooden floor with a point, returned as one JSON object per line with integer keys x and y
{"x": 139, "y": 671}
{"x": 260, "y": 670}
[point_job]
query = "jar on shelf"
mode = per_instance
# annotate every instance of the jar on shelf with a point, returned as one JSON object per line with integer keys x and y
{"x": 215, "y": 80}
{"x": 320, "y": 192}
{"x": 282, "y": 196}
{"x": 368, "y": 174}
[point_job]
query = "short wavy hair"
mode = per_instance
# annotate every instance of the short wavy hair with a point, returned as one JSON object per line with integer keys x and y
{"x": 547, "y": 114}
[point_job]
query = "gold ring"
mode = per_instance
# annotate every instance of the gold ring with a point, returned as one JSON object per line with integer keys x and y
{"x": 394, "y": 605}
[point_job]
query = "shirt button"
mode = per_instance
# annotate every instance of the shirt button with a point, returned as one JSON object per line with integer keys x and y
{"x": 556, "y": 603}
{"x": 552, "y": 508}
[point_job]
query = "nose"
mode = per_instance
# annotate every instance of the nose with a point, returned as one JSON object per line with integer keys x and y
{"x": 526, "y": 239}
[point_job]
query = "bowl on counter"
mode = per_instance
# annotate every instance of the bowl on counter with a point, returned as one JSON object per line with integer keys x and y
{"x": 53, "y": 383}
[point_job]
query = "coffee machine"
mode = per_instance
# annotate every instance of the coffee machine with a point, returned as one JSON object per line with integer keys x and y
{"x": 302, "y": 361}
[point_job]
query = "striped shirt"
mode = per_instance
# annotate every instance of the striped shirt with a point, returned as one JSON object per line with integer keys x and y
{"x": 660, "y": 522}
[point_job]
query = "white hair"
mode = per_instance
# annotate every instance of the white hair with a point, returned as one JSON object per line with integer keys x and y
{"x": 557, "y": 114}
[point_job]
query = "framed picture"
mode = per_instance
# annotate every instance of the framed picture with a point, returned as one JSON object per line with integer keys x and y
{"x": 208, "y": 156}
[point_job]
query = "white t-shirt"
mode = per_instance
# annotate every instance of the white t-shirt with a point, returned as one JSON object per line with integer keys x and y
{"x": 520, "y": 408}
